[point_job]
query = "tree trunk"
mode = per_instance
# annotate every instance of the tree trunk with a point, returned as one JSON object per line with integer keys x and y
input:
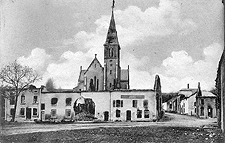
{"x": 14, "y": 113}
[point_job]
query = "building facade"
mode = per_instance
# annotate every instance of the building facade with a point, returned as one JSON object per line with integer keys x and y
{"x": 28, "y": 105}
{"x": 220, "y": 85}
{"x": 120, "y": 105}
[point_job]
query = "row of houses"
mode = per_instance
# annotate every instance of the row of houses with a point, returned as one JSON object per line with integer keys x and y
{"x": 194, "y": 102}
{"x": 116, "y": 105}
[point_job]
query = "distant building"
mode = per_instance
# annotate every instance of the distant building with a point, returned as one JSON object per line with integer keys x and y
{"x": 187, "y": 100}
{"x": 205, "y": 104}
{"x": 194, "y": 102}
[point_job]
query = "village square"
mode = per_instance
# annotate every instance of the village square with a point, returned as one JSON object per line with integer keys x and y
{"x": 113, "y": 98}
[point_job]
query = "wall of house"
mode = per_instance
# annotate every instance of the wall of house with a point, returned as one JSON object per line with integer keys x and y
{"x": 28, "y": 105}
{"x": 103, "y": 103}
{"x": 207, "y": 102}
{"x": 191, "y": 108}
{"x": 60, "y": 107}
{"x": 128, "y": 98}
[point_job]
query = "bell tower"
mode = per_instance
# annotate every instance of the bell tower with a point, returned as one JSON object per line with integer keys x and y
{"x": 112, "y": 57}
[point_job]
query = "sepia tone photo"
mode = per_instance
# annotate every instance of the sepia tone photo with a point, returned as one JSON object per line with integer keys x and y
{"x": 112, "y": 71}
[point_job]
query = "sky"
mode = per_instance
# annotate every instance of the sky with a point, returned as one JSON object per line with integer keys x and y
{"x": 179, "y": 40}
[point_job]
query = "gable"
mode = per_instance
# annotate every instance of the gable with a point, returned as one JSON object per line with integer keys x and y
{"x": 94, "y": 66}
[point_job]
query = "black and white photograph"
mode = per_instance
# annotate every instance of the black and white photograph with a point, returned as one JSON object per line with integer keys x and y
{"x": 112, "y": 71}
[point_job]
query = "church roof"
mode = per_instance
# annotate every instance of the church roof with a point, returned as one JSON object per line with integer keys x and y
{"x": 124, "y": 75}
{"x": 81, "y": 77}
{"x": 95, "y": 59}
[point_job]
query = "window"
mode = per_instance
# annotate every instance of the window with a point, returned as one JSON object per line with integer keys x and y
{"x": 22, "y": 111}
{"x": 110, "y": 71}
{"x": 145, "y": 103}
{"x": 202, "y": 101}
{"x": 110, "y": 84}
{"x": 22, "y": 99}
{"x": 67, "y": 112}
{"x": 34, "y": 111}
{"x": 202, "y": 111}
{"x": 68, "y": 101}
{"x": 134, "y": 103}
{"x": 54, "y": 101}
{"x": 146, "y": 113}
{"x": 119, "y": 103}
{"x": 42, "y": 106}
{"x": 12, "y": 111}
{"x": 117, "y": 113}
{"x": 139, "y": 113}
{"x": 12, "y": 100}
{"x": 35, "y": 99}
{"x": 110, "y": 65}
{"x": 194, "y": 103}
{"x": 53, "y": 113}
{"x": 170, "y": 105}
{"x": 114, "y": 103}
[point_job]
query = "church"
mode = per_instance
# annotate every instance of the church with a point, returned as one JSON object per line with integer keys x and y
{"x": 110, "y": 76}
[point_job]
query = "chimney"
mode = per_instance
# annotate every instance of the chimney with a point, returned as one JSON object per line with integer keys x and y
{"x": 95, "y": 55}
{"x": 80, "y": 68}
{"x": 199, "y": 85}
{"x": 188, "y": 86}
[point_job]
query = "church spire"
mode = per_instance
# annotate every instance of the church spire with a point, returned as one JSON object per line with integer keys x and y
{"x": 112, "y": 33}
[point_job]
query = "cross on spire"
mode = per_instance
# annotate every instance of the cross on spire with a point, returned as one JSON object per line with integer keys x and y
{"x": 113, "y": 4}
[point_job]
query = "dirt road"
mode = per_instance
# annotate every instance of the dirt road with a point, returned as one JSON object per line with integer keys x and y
{"x": 173, "y": 120}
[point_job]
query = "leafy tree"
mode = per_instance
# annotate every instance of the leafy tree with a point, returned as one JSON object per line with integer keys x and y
{"x": 50, "y": 86}
{"x": 18, "y": 78}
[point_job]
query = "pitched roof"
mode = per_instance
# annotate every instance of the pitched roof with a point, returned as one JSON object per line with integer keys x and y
{"x": 81, "y": 76}
{"x": 207, "y": 94}
{"x": 95, "y": 59}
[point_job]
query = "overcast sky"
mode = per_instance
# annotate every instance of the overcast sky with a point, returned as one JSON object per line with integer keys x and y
{"x": 180, "y": 40}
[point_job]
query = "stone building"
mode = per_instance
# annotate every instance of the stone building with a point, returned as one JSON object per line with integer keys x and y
{"x": 220, "y": 85}
{"x": 194, "y": 102}
{"x": 28, "y": 105}
{"x": 111, "y": 76}
{"x": 205, "y": 104}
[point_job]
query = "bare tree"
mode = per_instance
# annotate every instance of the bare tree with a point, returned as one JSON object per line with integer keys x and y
{"x": 50, "y": 86}
{"x": 19, "y": 78}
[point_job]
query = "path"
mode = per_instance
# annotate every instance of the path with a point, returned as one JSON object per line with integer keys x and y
{"x": 176, "y": 120}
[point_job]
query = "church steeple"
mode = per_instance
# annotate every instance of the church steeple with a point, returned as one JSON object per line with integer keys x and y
{"x": 112, "y": 33}
{"x": 112, "y": 56}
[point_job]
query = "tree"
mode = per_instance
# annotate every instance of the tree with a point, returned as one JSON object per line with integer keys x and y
{"x": 18, "y": 78}
{"x": 50, "y": 86}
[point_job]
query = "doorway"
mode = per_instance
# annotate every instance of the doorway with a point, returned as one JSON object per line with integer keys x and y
{"x": 106, "y": 116}
{"x": 128, "y": 115}
{"x": 210, "y": 112}
{"x": 28, "y": 113}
